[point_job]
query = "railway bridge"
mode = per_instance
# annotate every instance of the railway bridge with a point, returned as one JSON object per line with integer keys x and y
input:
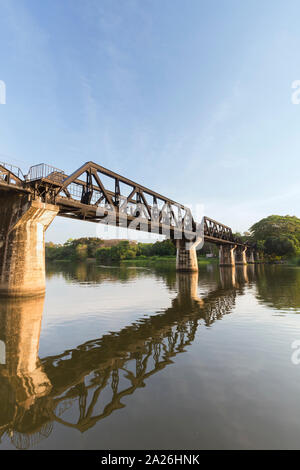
{"x": 29, "y": 203}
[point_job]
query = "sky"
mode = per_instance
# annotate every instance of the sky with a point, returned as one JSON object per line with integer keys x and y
{"x": 191, "y": 98}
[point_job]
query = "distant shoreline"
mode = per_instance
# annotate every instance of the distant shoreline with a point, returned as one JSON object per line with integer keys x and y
{"x": 138, "y": 260}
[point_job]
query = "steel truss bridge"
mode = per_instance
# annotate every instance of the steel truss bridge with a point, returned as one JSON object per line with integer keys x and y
{"x": 96, "y": 194}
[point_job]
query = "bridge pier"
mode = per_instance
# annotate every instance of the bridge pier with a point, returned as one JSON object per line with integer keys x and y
{"x": 250, "y": 255}
{"x": 186, "y": 258}
{"x": 240, "y": 255}
{"x": 226, "y": 255}
{"x": 22, "y": 244}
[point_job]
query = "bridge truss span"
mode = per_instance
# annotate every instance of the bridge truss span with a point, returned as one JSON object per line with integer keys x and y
{"x": 30, "y": 202}
{"x": 96, "y": 194}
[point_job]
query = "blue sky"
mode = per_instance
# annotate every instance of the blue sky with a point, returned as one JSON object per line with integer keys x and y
{"x": 191, "y": 98}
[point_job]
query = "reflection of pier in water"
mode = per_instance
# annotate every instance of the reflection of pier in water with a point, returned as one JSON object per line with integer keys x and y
{"x": 36, "y": 393}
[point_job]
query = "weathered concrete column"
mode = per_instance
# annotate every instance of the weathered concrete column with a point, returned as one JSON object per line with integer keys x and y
{"x": 240, "y": 255}
{"x": 226, "y": 255}
{"x": 22, "y": 244}
{"x": 186, "y": 258}
{"x": 250, "y": 255}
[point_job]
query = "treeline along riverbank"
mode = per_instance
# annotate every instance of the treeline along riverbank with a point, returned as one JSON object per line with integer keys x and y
{"x": 112, "y": 250}
{"x": 276, "y": 237}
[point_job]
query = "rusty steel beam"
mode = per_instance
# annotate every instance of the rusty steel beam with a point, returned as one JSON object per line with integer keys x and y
{"x": 85, "y": 195}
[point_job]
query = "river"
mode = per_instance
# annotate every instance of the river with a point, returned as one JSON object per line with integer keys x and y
{"x": 125, "y": 357}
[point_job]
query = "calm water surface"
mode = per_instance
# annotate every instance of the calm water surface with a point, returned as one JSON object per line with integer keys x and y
{"x": 129, "y": 358}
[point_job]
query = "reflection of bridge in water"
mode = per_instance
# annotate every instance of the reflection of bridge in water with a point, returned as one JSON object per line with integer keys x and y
{"x": 70, "y": 388}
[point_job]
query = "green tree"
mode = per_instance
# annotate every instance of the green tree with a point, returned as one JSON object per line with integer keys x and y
{"x": 276, "y": 225}
{"x": 280, "y": 246}
{"x": 103, "y": 254}
{"x": 278, "y": 235}
{"x": 81, "y": 251}
{"x": 164, "y": 248}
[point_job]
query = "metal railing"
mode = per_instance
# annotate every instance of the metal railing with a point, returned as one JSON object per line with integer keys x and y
{"x": 13, "y": 169}
{"x": 44, "y": 171}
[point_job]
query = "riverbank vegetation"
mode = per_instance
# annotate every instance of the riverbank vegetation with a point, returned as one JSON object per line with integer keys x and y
{"x": 116, "y": 250}
{"x": 108, "y": 250}
{"x": 276, "y": 237}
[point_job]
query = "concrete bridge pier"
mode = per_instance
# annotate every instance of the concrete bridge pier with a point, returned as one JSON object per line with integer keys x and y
{"x": 240, "y": 255}
{"x": 186, "y": 256}
{"x": 22, "y": 244}
{"x": 250, "y": 255}
{"x": 226, "y": 255}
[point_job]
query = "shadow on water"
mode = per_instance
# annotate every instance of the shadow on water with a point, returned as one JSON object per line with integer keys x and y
{"x": 84, "y": 385}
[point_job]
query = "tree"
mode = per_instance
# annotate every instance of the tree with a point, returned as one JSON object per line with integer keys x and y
{"x": 280, "y": 246}
{"x": 164, "y": 248}
{"x": 81, "y": 251}
{"x": 278, "y": 235}
{"x": 276, "y": 226}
